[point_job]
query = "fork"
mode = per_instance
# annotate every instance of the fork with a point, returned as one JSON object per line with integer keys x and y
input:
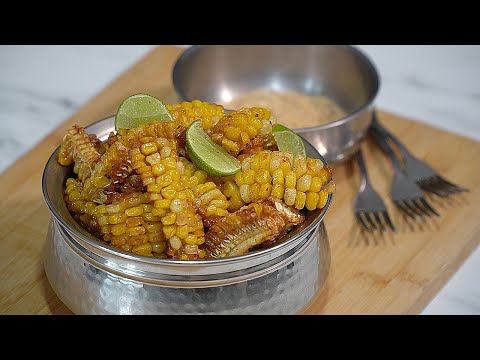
{"x": 407, "y": 196}
{"x": 419, "y": 171}
{"x": 368, "y": 203}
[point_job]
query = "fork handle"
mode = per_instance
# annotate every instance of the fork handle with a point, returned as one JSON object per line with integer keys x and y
{"x": 363, "y": 169}
{"x": 388, "y": 135}
{"x": 382, "y": 142}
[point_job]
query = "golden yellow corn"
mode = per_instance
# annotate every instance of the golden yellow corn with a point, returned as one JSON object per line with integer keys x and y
{"x": 322, "y": 199}
{"x": 158, "y": 169}
{"x": 236, "y": 129}
{"x": 186, "y": 112}
{"x": 289, "y": 196}
{"x": 278, "y": 178}
{"x": 138, "y": 192}
{"x": 153, "y": 227}
{"x": 134, "y": 221}
{"x": 175, "y": 243}
{"x": 169, "y": 219}
{"x": 153, "y": 159}
{"x": 311, "y": 200}
{"x": 103, "y": 220}
{"x": 265, "y": 191}
{"x": 119, "y": 229}
{"x": 280, "y": 175}
{"x": 300, "y": 200}
{"x": 249, "y": 177}
{"x": 136, "y": 230}
{"x": 117, "y": 218}
{"x": 134, "y": 211}
{"x": 278, "y": 191}
{"x": 142, "y": 249}
{"x": 316, "y": 184}
{"x": 149, "y": 148}
{"x": 290, "y": 180}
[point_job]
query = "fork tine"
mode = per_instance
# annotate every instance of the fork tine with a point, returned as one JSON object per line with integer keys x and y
{"x": 360, "y": 220}
{"x": 420, "y": 206}
{"x": 431, "y": 186}
{"x": 404, "y": 209}
{"x": 427, "y": 205}
{"x": 370, "y": 220}
{"x": 444, "y": 185}
{"x": 379, "y": 221}
{"x": 450, "y": 185}
{"x": 387, "y": 219}
{"x": 440, "y": 186}
{"x": 413, "y": 208}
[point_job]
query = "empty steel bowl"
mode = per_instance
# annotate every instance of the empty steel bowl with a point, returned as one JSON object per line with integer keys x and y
{"x": 219, "y": 73}
{"x": 91, "y": 277}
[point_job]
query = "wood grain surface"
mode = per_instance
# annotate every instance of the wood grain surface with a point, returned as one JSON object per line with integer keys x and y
{"x": 369, "y": 274}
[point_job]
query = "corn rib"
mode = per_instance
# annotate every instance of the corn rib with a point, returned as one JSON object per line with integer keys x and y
{"x": 250, "y": 226}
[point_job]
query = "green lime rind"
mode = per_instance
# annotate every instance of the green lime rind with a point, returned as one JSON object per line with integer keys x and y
{"x": 279, "y": 127}
{"x": 139, "y": 109}
{"x": 208, "y": 156}
{"x": 287, "y": 140}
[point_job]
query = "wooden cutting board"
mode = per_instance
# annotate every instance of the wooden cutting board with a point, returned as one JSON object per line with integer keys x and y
{"x": 397, "y": 274}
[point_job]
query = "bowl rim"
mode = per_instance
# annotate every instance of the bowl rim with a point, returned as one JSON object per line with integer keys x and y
{"x": 99, "y": 244}
{"x": 372, "y": 70}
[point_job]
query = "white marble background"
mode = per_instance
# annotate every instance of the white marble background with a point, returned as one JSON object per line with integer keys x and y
{"x": 40, "y": 86}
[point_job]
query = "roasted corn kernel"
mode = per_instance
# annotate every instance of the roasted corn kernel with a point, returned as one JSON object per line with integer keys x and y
{"x": 280, "y": 175}
{"x": 236, "y": 129}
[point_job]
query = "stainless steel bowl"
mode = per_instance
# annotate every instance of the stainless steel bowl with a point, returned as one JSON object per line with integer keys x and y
{"x": 341, "y": 72}
{"x": 93, "y": 278}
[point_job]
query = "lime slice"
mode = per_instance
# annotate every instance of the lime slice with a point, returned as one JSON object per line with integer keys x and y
{"x": 140, "y": 109}
{"x": 287, "y": 140}
{"x": 207, "y": 155}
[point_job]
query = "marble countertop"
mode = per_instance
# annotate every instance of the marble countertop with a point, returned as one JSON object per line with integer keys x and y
{"x": 40, "y": 86}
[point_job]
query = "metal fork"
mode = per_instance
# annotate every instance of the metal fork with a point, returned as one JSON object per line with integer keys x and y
{"x": 425, "y": 177}
{"x": 368, "y": 204}
{"x": 405, "y": 193}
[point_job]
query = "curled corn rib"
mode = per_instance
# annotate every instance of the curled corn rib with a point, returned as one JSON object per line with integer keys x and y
{"x": 79, "y": 147}
{"x": 248, "y": 227}
{"x": 242, "y": 129}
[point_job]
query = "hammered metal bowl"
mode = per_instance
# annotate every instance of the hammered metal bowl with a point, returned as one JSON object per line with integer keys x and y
{"x": 92, "y": 277}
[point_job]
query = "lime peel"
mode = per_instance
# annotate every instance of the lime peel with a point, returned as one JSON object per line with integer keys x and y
{"x": 207, "y": 155}
{"x": 139, "y": 109}
{"x": 289, "y": 141}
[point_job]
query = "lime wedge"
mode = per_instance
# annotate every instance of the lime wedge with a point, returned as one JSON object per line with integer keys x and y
{"x": 207, "y": 155}
{"x": 140, "y": 109}
{"x": 287, "y": 140}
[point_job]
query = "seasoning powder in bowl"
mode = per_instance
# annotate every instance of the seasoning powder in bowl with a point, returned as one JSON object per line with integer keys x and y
{"x": 292, "y": 108}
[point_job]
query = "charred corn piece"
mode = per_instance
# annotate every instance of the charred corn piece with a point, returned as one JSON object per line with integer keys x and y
{"x": 77, "y": 147}
{"x": 294, "y": 180}
{"x": 237, "y": 129}
{"x": 112, "y": 174}
{"x": 82, "y": 211}
{"x": 210, "y": 202}
{"x": 232, "y": 192}
{"x": 185, "y": 113}
{"x": 248, "y": 227}
{"x": 170, "y": 183}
